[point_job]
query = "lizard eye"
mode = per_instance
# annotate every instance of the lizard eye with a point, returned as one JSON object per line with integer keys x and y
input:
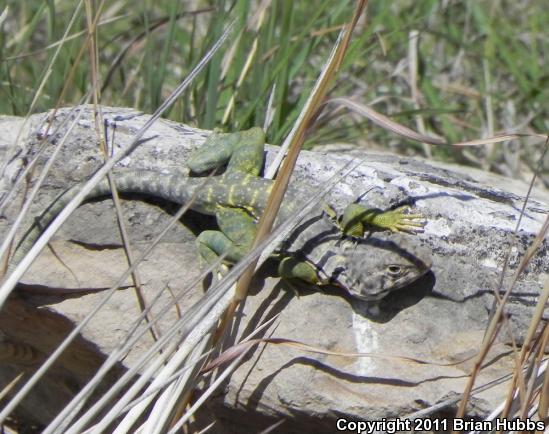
{"x": 394, "y": 269}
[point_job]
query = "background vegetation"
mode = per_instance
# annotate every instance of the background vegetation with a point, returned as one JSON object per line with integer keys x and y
{"x": 459, "y": 70}
{"x": 481, "y": 67}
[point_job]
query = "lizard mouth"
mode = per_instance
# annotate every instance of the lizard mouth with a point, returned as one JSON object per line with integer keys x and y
{"x": 373, "y": 297}
{"x": 373, "y": 287}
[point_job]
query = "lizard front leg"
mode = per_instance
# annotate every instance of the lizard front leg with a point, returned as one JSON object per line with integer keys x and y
{"x": 356, "y": 217}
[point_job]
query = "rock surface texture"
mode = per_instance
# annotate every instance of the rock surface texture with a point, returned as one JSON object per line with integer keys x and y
{"x": 441, "y": 318}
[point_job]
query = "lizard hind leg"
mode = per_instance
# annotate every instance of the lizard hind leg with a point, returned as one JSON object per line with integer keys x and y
{"x": 248, "y": 149}
{"x": 243, "y": 151}
{"x": 213, "y": 245}
{"x": 238, "y": 226}
{"x": 232, "y": 241}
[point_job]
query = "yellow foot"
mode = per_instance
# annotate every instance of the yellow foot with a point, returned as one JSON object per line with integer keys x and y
{"x": 398, "y": 220}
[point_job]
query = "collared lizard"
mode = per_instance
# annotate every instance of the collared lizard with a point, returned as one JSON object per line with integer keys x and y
{"x": 319, "y": 251}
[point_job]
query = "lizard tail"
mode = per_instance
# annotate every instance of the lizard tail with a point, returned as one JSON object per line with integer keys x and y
{"x": 169, "y": 187}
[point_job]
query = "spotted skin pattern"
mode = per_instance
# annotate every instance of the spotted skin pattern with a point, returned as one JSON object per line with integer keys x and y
{"x": 318, "y": 252}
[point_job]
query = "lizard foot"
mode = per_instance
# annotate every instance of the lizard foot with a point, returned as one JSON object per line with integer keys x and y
{"x": 400, "y": 220}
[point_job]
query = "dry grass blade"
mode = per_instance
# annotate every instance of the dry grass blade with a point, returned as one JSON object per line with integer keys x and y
{"x": 491, "y": 331}
{"x": 413, "y": 78}
{"x": 192, "y": 336}
{"x": 10, "y": 386}
{"x": 38, "y": 92}
{"x": 313, "y": 103}
{"x": 519, "y": 221}
{"x": 135, "y": 40}
{"x": 296, "y": 138}
{"x": 231, "y": 353}
{"x": 135, "y": 276}
{"x": 543, "y": 410}
{"x": 124, "y": 347}
{"x": 4, "y": 14}
{"x": 7, "y": 430}
{"x": 217, "y": 297}
{"x": 191, "y": 363}
{"x": 534, "y": 247}
{"x": 273, "y": 427}
{"x": 490, "y": 336}
{"x": 255, "y": 21}
{"x": 537, "y": 381}
{"x": 236, "y": 350}
{"x": 445, "y": 404}
{"x": 154, "y": 423}
{"x": 6, "y": 243}
{"x": 497, "y": 139}
{"x": 10, "y": 282}
{"x": 206, "y": 313}
{"x": 102, "y": 135}
{"x": 234, "y": 365}
{"x": 488, "y": 108}
{"x": 163, "y": 406}
{"x": 179, "y": 424}
{"x": 193, "y": 345}
{"x": 62, "y": 417}
{"x": 161, "y": 413}
{"x": 65, "y": 39}
{"x": 207, "y": 428}
{"x": 526, "y": 348}
{"x": 386, "y": 123}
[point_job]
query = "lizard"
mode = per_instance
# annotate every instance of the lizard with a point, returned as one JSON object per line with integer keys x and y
{"x": 320, "y": 250}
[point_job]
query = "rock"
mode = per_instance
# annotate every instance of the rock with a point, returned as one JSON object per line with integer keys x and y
{"x": 440, "y": 319}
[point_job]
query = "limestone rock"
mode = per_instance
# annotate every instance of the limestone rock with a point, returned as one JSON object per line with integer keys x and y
{"x": 471, "y": 217}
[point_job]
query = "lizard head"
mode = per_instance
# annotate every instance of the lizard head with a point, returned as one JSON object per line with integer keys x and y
{"x": 371, "y": 268}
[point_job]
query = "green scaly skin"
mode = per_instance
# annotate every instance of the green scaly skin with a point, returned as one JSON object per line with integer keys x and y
{"x": 318, "y": 252}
